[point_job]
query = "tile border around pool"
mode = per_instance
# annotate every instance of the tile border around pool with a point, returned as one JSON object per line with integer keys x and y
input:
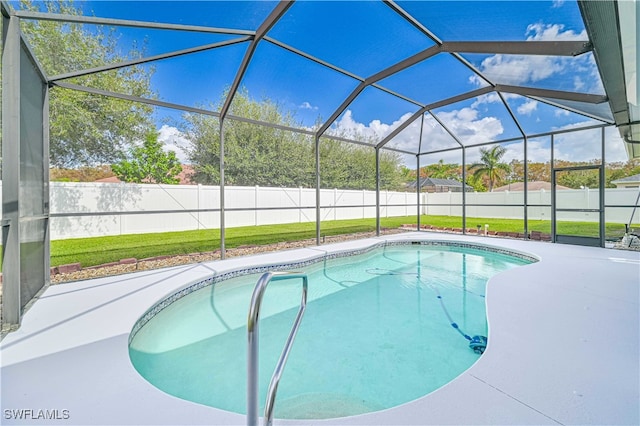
{"x": 190, "y": 288}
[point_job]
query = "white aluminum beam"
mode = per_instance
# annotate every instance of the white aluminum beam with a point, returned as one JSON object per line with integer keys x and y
{"x": 556, "y": 94}
{"x": 262, "y": 31}
{"x": 148, "y": 59}
{"x": 393, "y": 69}
{"x": 547, "y": 48}
{"x": 439, "y": 104}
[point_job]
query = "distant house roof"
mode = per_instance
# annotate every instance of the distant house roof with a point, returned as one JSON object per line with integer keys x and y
{"x": 628, "y": 179}
{"x": 185, "y": 176}
{"x": 452, "y": 183}
{"x": 110, "y": 179}
{"x": 534, "y": 185}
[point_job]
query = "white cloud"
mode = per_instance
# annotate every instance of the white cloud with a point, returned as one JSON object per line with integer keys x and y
{"x": 594, "y": 75}
{"x": 477, "y": 81}
{"x": 528, "y": 107}
{"x": 408, "y": 139}
{"x": 518, "y": 69}
{"x": 539, "y": 150}
{"x": 585, "y": 145}
{"x": 522, "y": 69}
{"x": 553, "y": 32}
{"x": 307, "y": 105}
{"x": 465, "y": 123}
{"x": 348, "y": 127}
{"x": 471, "y": 129}
{"x": 435, "y": 137}
{"x": 557, "y": 3}
{"x": 173, "y": 140}
{"x": 489, "y": 98}
{"x": 614, "y": 146}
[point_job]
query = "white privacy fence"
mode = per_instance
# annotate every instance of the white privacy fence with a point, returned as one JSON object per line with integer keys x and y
{"x": 509, "y": 204}
{"x": 96, "y": 209}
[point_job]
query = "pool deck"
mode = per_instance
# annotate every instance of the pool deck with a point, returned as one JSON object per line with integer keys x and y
{"x": 564, "y": 347}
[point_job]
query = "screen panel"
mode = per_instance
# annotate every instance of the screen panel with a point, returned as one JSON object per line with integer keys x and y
{"x": 33, "y": 189}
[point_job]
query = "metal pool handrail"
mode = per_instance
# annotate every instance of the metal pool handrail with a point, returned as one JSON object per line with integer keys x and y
{"x": 252, "y": 355}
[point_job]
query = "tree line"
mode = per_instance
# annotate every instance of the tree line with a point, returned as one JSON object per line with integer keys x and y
{"x": 267, "y": 156}
{"x": 490, "y": 172}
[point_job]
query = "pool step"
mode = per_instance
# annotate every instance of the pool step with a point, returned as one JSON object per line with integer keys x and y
{"x": 323, "y": 406}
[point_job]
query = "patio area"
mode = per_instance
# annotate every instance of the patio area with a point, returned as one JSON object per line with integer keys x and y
{"x": 563, "y": 347}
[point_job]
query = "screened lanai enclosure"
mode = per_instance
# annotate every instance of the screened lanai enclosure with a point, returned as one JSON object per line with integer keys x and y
{"x": 308, "y": 112}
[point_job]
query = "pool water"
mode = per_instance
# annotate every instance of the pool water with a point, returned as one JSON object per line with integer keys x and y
{"x": 374, "y": 334}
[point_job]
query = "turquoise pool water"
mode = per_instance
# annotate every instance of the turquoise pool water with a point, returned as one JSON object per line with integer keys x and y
{"x": 374, "y": 335}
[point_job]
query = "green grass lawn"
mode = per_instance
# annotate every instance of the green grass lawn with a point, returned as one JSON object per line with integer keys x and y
{"x": 99, "y": 250}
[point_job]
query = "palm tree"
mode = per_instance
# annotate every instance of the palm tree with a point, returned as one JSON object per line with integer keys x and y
{"x": 490, "y": 165}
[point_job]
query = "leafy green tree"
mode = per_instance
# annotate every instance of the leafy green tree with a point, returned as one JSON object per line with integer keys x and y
{"x": 538, "y": 171}
{"x": 618, "y": 170}
{"x": 265, "y": 156}
{"x": 407, "y": 175}
{"x": 86, "y": 129}
{"x": 476, "y": 183}
{"x": 254, "y": 155}
{"x": 576, "y": 179}
{"x": 349, "y": 166}
{"x": 441, "y": 170}
{"x": 490, "y": 165}
{"x": 149, "y": 163}
{"x": 390, "y": 172}
{"x": 579, "y": 179}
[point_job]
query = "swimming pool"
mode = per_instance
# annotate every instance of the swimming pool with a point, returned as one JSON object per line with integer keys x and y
{"x": 377, "y": 332}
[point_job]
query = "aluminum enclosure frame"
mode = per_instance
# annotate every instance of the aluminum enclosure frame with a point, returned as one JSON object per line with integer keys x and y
{"x": 25, "y": 195}
{"x": 11, "y": 100}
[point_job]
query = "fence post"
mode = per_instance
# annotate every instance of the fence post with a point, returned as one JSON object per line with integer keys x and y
{"x": 255, "y": 205}
{"x": 299, "y": 204}
{"x": 198, "y": 190}
{"x": 386, "y": 203}
{"x": 586, "y": 194}
{"x": 506, "y": 201}
{"x": 121, "y": 190}
{"x": 406, "y": 204}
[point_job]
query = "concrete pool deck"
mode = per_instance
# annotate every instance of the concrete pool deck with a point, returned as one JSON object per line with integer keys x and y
{"x": 564, "y": 346}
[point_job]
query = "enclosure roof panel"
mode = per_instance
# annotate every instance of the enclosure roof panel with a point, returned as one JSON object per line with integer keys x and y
{"x": 494, "y": 20}
{"x": 384, "y": 64}
{"x": 241, "y": 15}
{"x": 361, "y": 37}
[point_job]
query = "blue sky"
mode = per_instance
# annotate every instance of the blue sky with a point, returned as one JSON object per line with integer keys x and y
{"x": 364, "y": 37}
